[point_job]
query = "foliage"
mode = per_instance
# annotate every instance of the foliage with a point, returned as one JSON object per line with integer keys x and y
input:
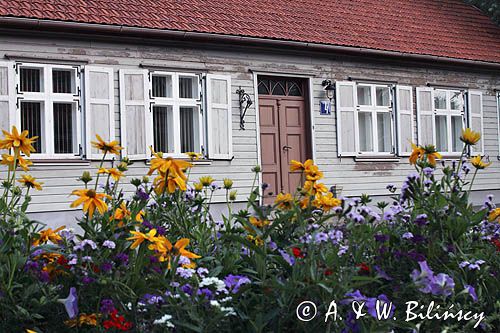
{"x": 489, "y": 7}
{"x": 160, "y": 261}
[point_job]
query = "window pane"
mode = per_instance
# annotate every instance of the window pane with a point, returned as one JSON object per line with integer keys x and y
{"x": 364, "y": 95}
{"x": 188, "y": 87}
{"x": 441, "y": 134}
{"x": 64, "y": 128}
{"x": 456, "y": 101}
{"x": 383, "y": 96}
{"x": 384, "y": 132}
{"x": 32, "y": 120}
{"x": 264, "y": 87}
{"x": 278, "y": 88}
{"x": 162, "y": 86}
{"x": 163, "y": 129}
{"x": 63, "y": 81}
{"x": 456, "y": 131}
{"x": 31, "y": 79}
{"x": 440, "y": 99}
{"x": 190, "y": 133}
{"x": 365, "y": 131}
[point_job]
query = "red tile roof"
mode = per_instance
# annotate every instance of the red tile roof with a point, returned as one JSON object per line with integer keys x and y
{"x": 445, "y": 28}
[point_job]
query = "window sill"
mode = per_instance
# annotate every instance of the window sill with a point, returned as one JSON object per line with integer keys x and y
{"x": 375, "y": 158}
{"x": 59, "y": 162}
{"x": 196, "y": 162}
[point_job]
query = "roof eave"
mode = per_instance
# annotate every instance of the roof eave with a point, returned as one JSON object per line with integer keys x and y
{"x": 52, "y": 25}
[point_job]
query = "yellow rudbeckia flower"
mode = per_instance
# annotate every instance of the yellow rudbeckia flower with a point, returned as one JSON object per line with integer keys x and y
{"x": 139, "y": 237}
{"x": 107, "y": 147}
{"x": 30, "y": 182}
{"x": 90, "y": 200}
{"x": 470, "y": 137}
{"x": 18, "y": 141}
{"x": 478, "y": 162}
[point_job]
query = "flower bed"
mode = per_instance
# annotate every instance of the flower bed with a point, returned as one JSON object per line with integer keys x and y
{"x": 160, "y": 262}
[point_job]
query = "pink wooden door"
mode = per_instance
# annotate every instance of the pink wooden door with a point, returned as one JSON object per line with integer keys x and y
{"x": 283, "y": 137}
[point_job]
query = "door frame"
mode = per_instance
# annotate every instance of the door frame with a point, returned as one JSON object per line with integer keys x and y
{"x": 309, "y": 103}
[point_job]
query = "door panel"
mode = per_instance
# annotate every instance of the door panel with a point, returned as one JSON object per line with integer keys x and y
{"x": 283, "y": 137}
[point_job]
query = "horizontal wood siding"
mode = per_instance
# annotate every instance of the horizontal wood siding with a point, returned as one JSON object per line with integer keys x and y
{"x": 354, "y": 177}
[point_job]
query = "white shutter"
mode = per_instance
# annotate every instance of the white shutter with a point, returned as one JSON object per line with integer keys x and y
{"x": 404, "y": 119}
{"x": 135, "y": 114}
{"x": 475, "y": 118}
{"x": 425, "y": 116}
{"x": 347, "y": 133}
{"x": 7, "y": 96}
{"x": 219, "y": 117}
{"x": 99, "y": 108}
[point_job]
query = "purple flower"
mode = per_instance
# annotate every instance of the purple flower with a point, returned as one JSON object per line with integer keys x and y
{"x": 147, "y": 224}
{"x": 407, "y": 235}
{"x": 471, "y": 291}
{"x": 106, "y": 267}
{"x": 207, "y": 293}
{"x": 187, "y": 289}
{"x": 87, "y": 280}
{"x": 184, "y": 261}
{"x": 185, "y": 273}
{"x": 371, "y": 303}
{"x": 421, "y": 220}
{"x": 472, "y": 266}
{"x": 382, "y": 273}
{"x": 122, "y": 258}
{"x": 44, "y": 276}
{"x": 381, "y": 238}
{"x": 83, "y": 243}
{"x": 141, "y": 194}
{"x": 428, "y": 283}
{"x": 342, "y": 250}
{"x": 336, "y": 236}
{"x": 412, "y": 254}
{"x": 201, "y": 271}
{"x": 272, "y": 245}
{"x": 234, "y": 282}
{"x": 71, "y": 303}
{"x": 107, "y": 306}
{"x": 288, "y": 258}
{"x": 109, "y": 244}
{"x": 428, "y": 172}
{"x": 320, "y": 237}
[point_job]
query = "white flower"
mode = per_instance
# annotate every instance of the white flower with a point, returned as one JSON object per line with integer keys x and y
{"x": 164, "y": 320}
{"x": 215, "y": 303}
{"x": 219, "y": 284}
{"x": 229, "y": 311}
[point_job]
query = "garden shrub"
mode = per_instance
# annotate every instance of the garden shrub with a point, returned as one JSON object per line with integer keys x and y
{"x": 159, "y": 261}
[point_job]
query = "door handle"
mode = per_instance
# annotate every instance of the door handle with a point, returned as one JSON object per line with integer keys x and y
{"x": 286, "y": 148}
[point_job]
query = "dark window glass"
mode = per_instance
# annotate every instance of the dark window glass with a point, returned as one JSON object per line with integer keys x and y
{"x": 187, "y": 129}
{"x": 31, "y": 120}
{"x": 62, "y": 81}
{"x": 162, "y": 128}
{"x": 263, "y": 87}
{"x": 63, "y": 128}
{"x": 31, "y": 79}
{"x": 294, "y": 89}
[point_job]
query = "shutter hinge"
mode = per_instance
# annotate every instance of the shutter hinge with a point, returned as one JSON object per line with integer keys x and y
{"x": 80, "y": 150}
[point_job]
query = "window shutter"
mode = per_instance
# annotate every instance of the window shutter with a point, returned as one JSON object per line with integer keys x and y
{"x": 99, "y": 107}
{"x": 347, "y": 135}
{"x": 404, "y": 119}
{"x": 7, "y": 96}
{"x": 219, "y": 117}
{"x": 475, "y": 118}
{"x": 135, "y": 114}
{"x": 425, "y": 116}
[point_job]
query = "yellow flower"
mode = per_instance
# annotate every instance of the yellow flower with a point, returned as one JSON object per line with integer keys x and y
{"x": 304, "y": 203}
{"x": 30, "y": 182}
{"x": 139, "y": 216}
{"x": 122, "y": 212}
{"x": 296, "y": 165}
{"x": 206, "y": 180}
{"x": 313, "y": 187}
{"x": 193, "y": 156}
{"x": 9, "y": 160}
{"x": 232, "y": 195}
{"x": 284, "y": 201}
{"x": 416, "y": 154}
{"x": 255, "y": 239}
{"x": 107, "y": 147}
{"x": 326, "y": 201}
{"x": 168, "y": 165}
{"x": 470, "y": 137}
{"x": 90, "y": 200}
{"x": 139, "y": 237}
{"x": 30, "y": 331}
{"x": 172, "y": 184}
{"x": 431, "y": 154}
{"x": 198, "y": 187}
{"x": 18, "y": 141}
{"x": 167, "y": 251}
{"x": 113, "y": 172}
{"x": 478, "y": 163}
{"x": 313, "y": 173}
{"x": 494, "y": 215}
{"x": 228, "y": 183}
{"x": 257, "y": 222}
{"x": 45, "y": 235}
{"x": 83, "y": 319}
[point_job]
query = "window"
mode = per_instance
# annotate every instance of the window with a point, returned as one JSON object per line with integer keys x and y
{"x": 449, "y": 120}
{"x": 176, "y": 112}
{"x": 48, "y": 107}
{"x": 365, "y": 124}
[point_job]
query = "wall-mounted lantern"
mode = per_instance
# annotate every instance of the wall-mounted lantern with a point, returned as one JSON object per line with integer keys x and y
{"x": 245, "y": 101}
{"x": 329, "y": 89}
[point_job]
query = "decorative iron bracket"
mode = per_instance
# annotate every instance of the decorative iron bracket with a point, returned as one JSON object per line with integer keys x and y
{"x": 245, "y": 101}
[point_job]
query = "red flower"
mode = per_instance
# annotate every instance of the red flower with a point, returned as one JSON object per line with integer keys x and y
{"x": 364, "y": 269}
{"x": 297, "y": 252}
{"x": 328, "y": 272}
{"x": 117, "y": 321}
{"x": 62, "y": 261}
{"x": 496, "y": 242}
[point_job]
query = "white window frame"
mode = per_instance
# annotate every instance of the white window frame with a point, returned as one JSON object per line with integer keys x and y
{"x": 47, "y": 98}
{"x": 497, "y": 95}
{"x": 374, "y": 110}
{"x": 449, "y": 113}
{"x": 176, "y": 103}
